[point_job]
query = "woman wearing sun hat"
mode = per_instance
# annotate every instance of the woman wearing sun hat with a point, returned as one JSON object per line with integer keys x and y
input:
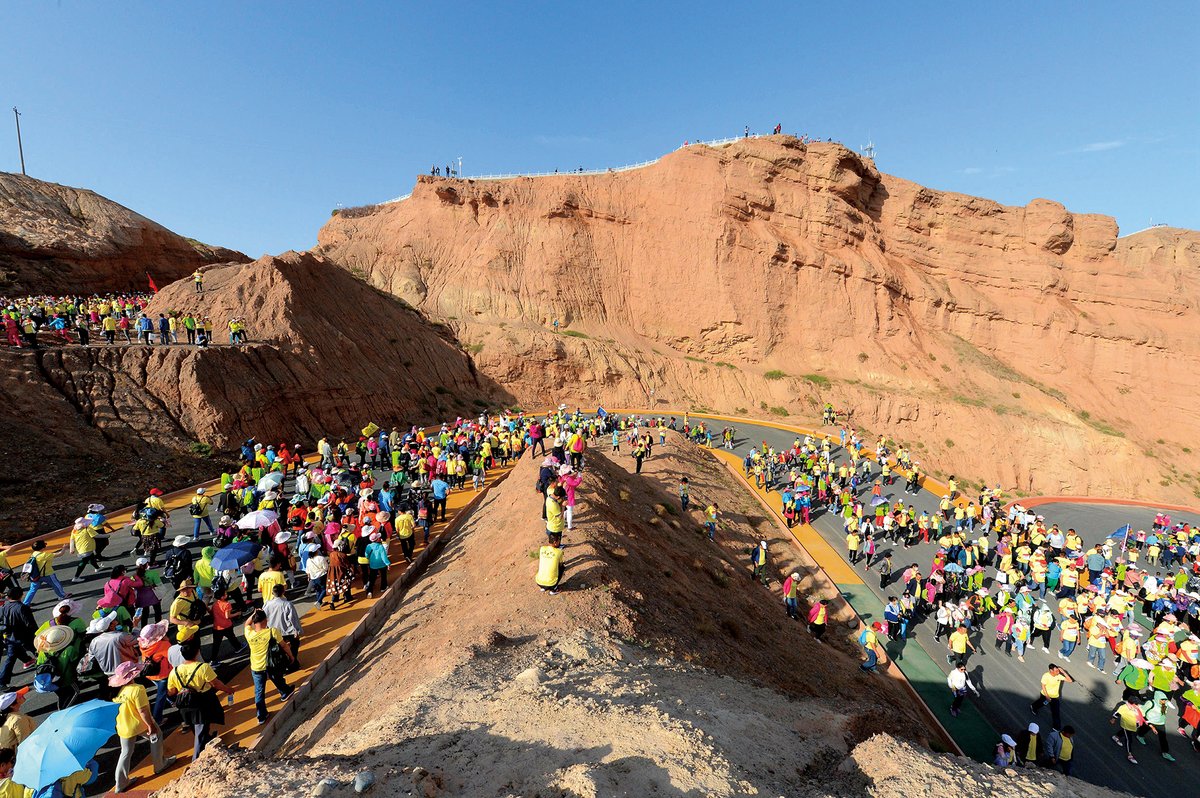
{"x": 154, "y": 645}
{"x": 134, "y": 721}
{"x": 59, "y": 650}
{"x": 15, "y": 726}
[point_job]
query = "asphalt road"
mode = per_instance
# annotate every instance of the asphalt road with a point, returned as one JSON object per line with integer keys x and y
{"x": 1008, "y": 686}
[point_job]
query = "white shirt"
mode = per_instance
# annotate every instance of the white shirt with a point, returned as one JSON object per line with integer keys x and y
{"x": 957, "y": 680}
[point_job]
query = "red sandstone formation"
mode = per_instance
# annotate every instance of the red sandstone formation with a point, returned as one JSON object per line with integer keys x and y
{"x": 1022, "y": 345}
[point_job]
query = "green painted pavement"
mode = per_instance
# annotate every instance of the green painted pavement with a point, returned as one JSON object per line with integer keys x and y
{"x": 970, "y": 729}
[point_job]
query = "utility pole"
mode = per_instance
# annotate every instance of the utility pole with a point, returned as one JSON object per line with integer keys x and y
{"x": 20, "y": 149}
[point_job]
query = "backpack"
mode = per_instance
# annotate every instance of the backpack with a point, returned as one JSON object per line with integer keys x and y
{"x": 194, "y": 508}
{"x": 170, "y": 567}
{"x": 45, "y": 678}
{"x": 187, "y": 697}
{"x": 32, "y": 568}
{"x": 196, "y": 611}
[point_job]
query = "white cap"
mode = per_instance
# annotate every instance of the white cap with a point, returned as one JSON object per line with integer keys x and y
{"x": 1008, "y": 740}
{"x": 199, "y": 491}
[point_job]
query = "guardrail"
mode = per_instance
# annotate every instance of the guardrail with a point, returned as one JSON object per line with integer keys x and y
{"x": 606, "y": 171}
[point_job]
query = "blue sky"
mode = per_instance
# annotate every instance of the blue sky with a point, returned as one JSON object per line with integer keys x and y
{"x": 244, "y": 124}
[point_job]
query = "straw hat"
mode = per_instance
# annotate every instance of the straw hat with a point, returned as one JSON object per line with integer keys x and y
{"x": 54, "y": 639}
{"x": 126, "y": 672}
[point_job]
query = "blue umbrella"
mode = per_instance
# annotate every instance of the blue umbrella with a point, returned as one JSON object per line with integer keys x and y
{"x": 877, "y": 500}
{"x": 235, "y": 555}
{"x": 65, "y": 743}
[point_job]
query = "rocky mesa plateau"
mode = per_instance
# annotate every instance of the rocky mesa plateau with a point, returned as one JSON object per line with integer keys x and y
{"x": 1023, "y": 346}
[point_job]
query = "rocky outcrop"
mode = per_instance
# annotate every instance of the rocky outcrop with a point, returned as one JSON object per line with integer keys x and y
{"x": 1025, "y": 345}
{"x": 327, "y": 354}
{"x": 61, "y": 240}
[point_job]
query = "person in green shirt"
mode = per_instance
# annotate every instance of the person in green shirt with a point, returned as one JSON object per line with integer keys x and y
{"x": 189, "y": 327}
{"x": 1155, "y": 711}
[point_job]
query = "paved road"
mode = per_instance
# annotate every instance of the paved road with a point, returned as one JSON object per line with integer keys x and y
{"x": 1007, "y": 685}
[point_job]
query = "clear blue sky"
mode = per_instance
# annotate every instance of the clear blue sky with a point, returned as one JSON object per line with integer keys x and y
{"x": 244, "y": 124}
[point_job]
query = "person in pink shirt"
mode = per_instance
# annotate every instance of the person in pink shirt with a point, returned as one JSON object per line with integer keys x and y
{"x": 570, "y": 481}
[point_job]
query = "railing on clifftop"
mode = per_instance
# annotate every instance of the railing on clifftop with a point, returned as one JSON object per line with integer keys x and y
{"x": 607, "y": 171}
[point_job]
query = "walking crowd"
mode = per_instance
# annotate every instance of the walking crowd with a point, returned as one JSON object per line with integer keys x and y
{"x": 35, "y": 321}
{"x": 1129, "y": 603}
{"x": 166, "y": 619}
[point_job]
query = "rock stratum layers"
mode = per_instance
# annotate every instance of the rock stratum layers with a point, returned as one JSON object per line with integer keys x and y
{"x": 1027, "y": 346}
{"x": 61, "y": 240}
{"x": 327, "y": 353}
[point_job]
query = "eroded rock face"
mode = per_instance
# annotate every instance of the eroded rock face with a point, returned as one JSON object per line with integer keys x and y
{"x": 58, "y": 240}
{"x": 1027, "y": 344}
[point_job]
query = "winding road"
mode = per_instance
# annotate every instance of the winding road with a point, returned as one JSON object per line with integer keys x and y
{"x": 1007, "y": 686}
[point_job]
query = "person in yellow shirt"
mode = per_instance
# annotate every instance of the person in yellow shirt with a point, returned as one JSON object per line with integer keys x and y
{"x": 15, "y": 725}
{"x": 1051, "y": 693}
{"x": 555, "y": 518}
{"x": 958, "y": 644}
{"x": 259, "y": 637}
{"x": 1132, "y": 724}
{"x": 271, "y": 577}
{"x": 134, "y": 721}
{"x": 198, "y": 681}
{"x": 406, "y": 528}
{"x": 182, "y": 614}
{"x": 550, "y": 567}
{"x": 9, "y": 788}
{"x": 83, "y": 543}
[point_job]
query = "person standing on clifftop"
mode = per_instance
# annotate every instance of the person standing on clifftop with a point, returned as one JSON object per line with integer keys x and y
{"x": 198, "y": 277}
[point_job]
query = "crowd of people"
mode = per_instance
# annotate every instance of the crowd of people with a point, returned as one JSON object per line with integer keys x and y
{"x": 113, "y": 319}
{"x": 286, "y": 529}
{"x": 1129, "y": 603}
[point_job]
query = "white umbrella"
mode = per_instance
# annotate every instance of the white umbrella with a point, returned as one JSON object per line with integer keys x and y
{"x": 257, "y": 519}
{"x": 271, "y": 481}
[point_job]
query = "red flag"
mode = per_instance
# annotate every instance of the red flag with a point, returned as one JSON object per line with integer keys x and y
{"x": 153, "y": 287}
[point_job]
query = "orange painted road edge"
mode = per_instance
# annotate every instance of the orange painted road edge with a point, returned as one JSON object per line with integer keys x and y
{"x": 893, "y": 671}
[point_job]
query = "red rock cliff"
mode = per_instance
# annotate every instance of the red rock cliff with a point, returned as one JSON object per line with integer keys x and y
{"x": 1026, "y": 345}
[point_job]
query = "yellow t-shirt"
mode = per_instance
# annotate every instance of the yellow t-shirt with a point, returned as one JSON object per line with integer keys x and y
{"x": 131, "y": 698}
{"x": 405, "y": 526}
{"x": 554, "y": 516}
{"x": 958, "y": 642}
{"x": 181, "y": 607}
{"x": 549, "y": 565}
{"x": 259, "y": 641}
{"x": 197, "y": 676}
{"x": 1052, "y": 684}
{"x": 84, "y": 540}
{"x": 15, "y": 729}
{"x": 267, "y": 581}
